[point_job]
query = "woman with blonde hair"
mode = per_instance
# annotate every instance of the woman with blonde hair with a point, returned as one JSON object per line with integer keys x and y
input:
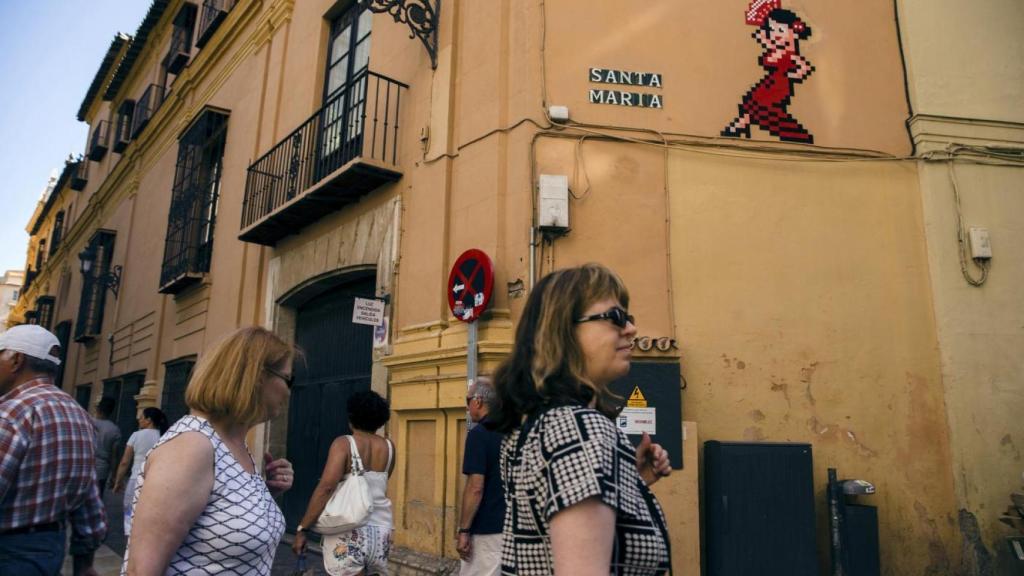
{"x": 201, "y": 505}
{"x": 576, "y": 490}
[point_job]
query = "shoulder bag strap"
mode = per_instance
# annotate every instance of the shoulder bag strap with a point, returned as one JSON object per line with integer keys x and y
{"x": 357, "y": 461}
{"x": 387, "y": 469}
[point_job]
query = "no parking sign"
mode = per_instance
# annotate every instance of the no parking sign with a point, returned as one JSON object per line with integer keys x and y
{"x": 470, "y": 285}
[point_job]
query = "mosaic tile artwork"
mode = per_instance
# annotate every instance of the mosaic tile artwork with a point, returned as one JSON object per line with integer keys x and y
{"x": 766, "y": 104}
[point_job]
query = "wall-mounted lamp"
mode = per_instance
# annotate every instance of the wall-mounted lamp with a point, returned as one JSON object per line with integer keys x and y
{"x": 110, "y": 280}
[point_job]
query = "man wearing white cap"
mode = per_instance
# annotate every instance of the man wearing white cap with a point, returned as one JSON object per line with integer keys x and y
{"x": 47, "y": 469}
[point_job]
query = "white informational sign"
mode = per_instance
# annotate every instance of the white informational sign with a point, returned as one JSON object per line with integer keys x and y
{"x": 368, "y": 311}
{"x": 638, "y": 420}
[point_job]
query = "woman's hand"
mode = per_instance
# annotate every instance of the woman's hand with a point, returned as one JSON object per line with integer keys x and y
{"x": 279, "y": 473}
{"x": 299, "y": 544}
{"x": 652, "y": 461}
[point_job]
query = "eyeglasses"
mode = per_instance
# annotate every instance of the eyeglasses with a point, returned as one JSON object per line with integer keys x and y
{"x": 617, "y": 315}
{"x": 288, "y": 380}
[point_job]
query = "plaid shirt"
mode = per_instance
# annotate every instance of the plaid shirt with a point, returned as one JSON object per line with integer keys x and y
{"x": 47, "y": 465}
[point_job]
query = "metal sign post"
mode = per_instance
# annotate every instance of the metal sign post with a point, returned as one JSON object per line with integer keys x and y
{"x": 470, "y": 285}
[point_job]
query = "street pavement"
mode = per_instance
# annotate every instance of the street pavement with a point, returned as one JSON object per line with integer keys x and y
{"x": 108, "y": 558}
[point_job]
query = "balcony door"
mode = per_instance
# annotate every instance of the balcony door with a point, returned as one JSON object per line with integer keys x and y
{"x": 348, "y": 57}
{"x": 337, "y": 362}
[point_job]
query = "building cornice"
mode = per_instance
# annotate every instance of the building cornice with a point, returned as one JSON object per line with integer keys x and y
{"x": 932, "y": 133}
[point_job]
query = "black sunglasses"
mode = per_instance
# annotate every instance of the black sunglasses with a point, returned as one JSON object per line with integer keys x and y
{"x": 617, "y": 315}
{"x": 288, "y": 380}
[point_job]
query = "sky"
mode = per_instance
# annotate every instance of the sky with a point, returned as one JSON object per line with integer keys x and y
{"x": 49, "y": 53}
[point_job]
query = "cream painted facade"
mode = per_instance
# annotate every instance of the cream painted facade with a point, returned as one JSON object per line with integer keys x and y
{"x": 813, "y": 292}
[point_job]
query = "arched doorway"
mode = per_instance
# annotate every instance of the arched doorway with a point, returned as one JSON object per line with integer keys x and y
{"x": 337, "y": 363}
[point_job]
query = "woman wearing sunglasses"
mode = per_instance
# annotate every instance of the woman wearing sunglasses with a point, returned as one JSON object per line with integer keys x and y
{"x": 577, "y": 494}
{"x": 201, "y": 505}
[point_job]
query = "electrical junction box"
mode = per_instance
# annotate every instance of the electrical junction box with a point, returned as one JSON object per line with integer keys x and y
{"x": 553, "y": 205}
{"x": 558, "y": 113}
{"x": 981, "y": 247}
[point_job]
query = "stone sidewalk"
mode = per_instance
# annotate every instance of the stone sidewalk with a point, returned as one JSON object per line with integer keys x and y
{"x": 403, "y": 562}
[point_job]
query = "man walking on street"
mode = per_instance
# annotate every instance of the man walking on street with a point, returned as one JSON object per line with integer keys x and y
{"x": 108, "y": 438}
{"x": 483, "y": 499}
{"x": 47, "y": 467}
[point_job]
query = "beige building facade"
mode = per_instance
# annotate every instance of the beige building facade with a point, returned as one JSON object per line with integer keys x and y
{"x": 785, "y": 224}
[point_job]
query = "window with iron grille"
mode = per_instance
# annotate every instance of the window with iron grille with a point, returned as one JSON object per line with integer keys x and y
{"x": 124, "y": 390}
{"x": 94, "y": 291}
{"x": 44, "y": 311}
{"x": 63, "y": 334}
{"x": 123, "y": 129}
{"x": 40, "y": 254}
{"x": 190, "y": 223}
{"x": 58, "y": 231}
{"x": 83, "y": 393}
{"x": 177, "y": 374}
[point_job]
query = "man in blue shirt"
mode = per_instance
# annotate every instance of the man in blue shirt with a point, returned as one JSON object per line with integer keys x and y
{"x": 483, "y": 499}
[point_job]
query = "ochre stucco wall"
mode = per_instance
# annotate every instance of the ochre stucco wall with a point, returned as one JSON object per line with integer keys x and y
{"x": 802, "y": 301}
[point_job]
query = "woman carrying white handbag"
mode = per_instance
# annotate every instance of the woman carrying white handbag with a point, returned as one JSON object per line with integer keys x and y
{"x": 349, "y": 506}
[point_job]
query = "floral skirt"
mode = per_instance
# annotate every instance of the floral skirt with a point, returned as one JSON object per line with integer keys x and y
{"x": 365, "y": 548}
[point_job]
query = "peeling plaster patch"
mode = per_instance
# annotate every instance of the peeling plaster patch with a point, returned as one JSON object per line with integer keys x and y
{"x": 1008, "y": 448}
{"x": 806, "y": 374}
{"x": 781, "y": 386}
{"x": 726, "y": 361}
{"x": 825, "y": 431}
{"x": 756, "y": 415}
{"x": 861, "y": 448}
{"x": 740, "y": 364}
{"x": 938, "y": 558}
{"x": 753, "y": 433}
{"x": 976, "y": 557}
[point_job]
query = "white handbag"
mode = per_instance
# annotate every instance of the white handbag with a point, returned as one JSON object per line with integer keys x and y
{"x": 351, "y": 503}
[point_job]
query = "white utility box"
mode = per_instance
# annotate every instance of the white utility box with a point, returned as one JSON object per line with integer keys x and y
{"x": 553, "y": 205}
{"x": 981, "y": 247}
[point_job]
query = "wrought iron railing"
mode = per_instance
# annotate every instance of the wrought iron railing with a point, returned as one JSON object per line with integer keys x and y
{"x": 146, "y": 107}
{"x": 30, "y": 276}
{"x": 361, "y": 120}
{"x": 100, "y": 141}
{"x": 123, "y": 128}
{"x": 80, "y": 174}
{"x": 213, "y": 13}
{"x": 181, "y": 45}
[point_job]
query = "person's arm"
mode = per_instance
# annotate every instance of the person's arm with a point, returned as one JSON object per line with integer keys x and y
{"x": 124, "y": 467}
{"x": 579, "y": 534}
{"x": 178, "y": 482}
{"x": 12, "y": 451}
{"x": 88, "y": 529}
{"x": 334, "y": 470}
{"x": 471, "y": 496}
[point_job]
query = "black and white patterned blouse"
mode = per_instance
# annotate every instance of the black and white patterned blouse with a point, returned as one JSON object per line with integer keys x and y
{"x": 238, "y": 531}
{"x": 569, "y": 454}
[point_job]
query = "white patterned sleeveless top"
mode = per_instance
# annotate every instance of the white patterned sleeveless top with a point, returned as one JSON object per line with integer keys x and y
{"x": 238, "y": 531}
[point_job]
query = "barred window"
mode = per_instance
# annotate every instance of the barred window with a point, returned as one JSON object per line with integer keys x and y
{"x": 94, "y": 292}
{"x": 63, "y": 334}
{"x": 44, "y": 311}
{"x": 83, "y": 393}
{"x": 58, "y": 232}
{"x": 177, "y": 374}
{"x": 124, "y": 390}
{"x": 193, "y": 214}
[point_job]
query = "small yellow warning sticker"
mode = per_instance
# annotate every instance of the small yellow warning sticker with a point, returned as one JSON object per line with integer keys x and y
{"x": 636, "y": 399}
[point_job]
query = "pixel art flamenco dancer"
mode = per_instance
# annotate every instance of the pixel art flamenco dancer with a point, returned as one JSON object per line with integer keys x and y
{"x": 766, "y": 104}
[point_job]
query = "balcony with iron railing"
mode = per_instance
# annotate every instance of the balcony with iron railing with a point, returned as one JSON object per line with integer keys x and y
{"x": 211, "y": 15}
{"x": 123, "y": 127}
{"x": 146, "y": 107}
{"x": 347, "y": 148}
{"x": 99, "y": 143}
{"x": 179, "y": 52}
{"x": 80, "y": 174}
